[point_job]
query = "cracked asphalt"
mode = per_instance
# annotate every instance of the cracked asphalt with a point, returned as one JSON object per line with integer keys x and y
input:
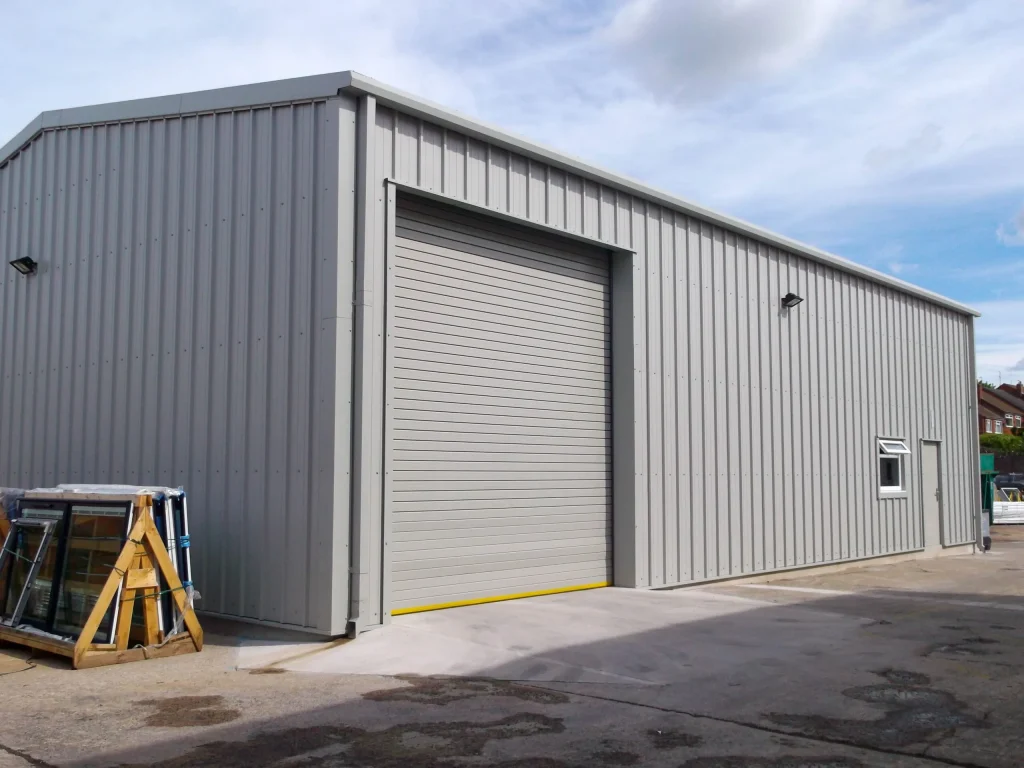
{"x": 927, "y": 669}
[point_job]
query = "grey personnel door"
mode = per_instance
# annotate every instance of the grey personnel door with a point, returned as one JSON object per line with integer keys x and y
{"x": 931, "y": 490}
{"x": 501, "y": 411}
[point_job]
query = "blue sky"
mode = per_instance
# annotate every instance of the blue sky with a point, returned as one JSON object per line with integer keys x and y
{"x": 890, "y": 132}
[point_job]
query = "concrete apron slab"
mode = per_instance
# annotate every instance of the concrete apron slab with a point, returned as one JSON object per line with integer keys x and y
{"x": 615, "y": 636}
{"x": 845, "y": 667}
{"x": 260, "y": 654}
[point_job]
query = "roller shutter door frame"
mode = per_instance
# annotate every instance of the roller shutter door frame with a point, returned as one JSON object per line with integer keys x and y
{"x": 455, "y": 388}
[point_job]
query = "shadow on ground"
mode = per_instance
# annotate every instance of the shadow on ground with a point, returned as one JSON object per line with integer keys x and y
{"x": 890, "y": 681}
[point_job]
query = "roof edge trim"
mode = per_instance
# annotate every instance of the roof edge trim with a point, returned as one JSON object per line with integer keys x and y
{"x": 332, "y": 84}
{"x": 410, "y": 104}
{"x": 232, "y": 97}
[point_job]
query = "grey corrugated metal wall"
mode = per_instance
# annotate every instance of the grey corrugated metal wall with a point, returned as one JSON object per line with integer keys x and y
{"x": 181, "y": 331}
{"x": 163, "y": 241}
{"x": 755, "y": 428}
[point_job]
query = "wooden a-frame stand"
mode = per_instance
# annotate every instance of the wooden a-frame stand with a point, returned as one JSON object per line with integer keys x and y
{"x": 136, "y": 569}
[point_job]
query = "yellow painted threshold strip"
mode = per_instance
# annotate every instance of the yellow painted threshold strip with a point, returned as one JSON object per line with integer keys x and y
{"x": 497, "y": 598}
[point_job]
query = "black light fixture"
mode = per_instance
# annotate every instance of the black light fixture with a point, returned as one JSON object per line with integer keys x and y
{"x": 26, "y": 265}
{"x": 790, "y": 300}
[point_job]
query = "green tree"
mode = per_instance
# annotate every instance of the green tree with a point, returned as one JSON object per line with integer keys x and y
{"x": 1003, "y": 445}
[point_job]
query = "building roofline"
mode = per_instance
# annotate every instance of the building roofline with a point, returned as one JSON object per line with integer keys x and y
{"x": 332, "y": 84}
{"x": 988, "y": 411}
{"x": 1007, "y": 397}
{"x": 308, "y": 88}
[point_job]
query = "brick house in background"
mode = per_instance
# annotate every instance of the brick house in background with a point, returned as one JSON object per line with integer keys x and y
{"x": 1010, "y": 396}
{"x": 999, "y": 411}
{"x": 990, "y": 421}
{"x": 1016, "y": 390}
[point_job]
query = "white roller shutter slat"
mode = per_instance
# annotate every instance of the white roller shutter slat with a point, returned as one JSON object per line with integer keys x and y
{"x": 501, "y": 482}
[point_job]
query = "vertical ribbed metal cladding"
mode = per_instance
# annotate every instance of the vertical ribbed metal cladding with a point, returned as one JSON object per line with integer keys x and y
{"x": 756, "y": 426}
{"x": 172, "y": 335}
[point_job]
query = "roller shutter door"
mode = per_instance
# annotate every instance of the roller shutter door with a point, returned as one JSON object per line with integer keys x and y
{"x": 501, "y": 411}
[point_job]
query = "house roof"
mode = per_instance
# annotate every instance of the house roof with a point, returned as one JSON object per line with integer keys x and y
{"x": 989, "y": 412}
{"x": 1007, "y": 398}
{"x": 327, "y": 85}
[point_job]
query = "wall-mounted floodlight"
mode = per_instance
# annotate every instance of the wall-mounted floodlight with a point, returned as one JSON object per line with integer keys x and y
{"x": 26, "y": 265}
{"x": 790, "y": 300}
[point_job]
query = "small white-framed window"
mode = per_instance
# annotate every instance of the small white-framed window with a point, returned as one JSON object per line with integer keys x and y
{"x": 1016, "y": 421}
{"x": 1009, "y": 420}
{"x": 999, "y": 427}
{"x": 890, "y": 465}
{"x": 988, "y": 425}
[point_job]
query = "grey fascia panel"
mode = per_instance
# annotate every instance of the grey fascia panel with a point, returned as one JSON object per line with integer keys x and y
{"x": 24, "y": 136}
{"x": 234, "y": 97}
{"x": 274, "y": 92}
{"x": 426, "y": 194}
{"x": 417, "y": 107}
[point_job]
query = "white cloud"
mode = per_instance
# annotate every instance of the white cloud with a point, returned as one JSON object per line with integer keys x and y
{"x": 890, "y": 257}
{"x": 801, "y": 114}
{"x": 692, "y": 51}
{"x": 903, "y": 268}
{"x": 769, "y": 108}
{"x": 794, "y": 113}
{"x": 128, "y": 49}
{"x": 817, "y": 106}
{"x": 927, "y": 142}
{"x": 1012, "y": 233}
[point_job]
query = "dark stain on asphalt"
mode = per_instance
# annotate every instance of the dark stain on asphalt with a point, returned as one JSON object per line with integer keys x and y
{"x": 903, "y": 676}
{"x": 267, "y": 671}
{"x": 189, "y": 712}
{"x": 1003, "y": 626}
{"x": 445, "y": 690}
{"x": 409, "y": 745}
{"x": 616, "y": 757}
{"x": 969, "y": 646}
{"x": 666, "y": 739}
{"x": 915, "y": 714}
{"x": 788, "y": 761}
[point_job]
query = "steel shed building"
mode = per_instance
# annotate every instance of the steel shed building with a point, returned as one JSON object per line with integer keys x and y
{"x": 402, "y": 360}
